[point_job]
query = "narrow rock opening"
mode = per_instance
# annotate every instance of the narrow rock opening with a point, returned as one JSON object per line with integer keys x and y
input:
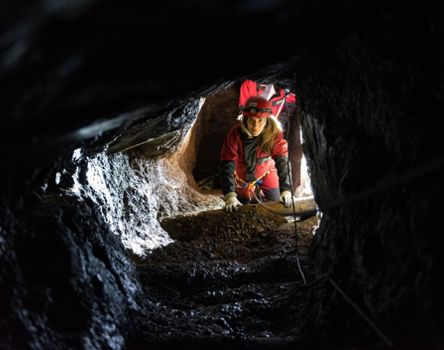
{"x": 369, "y": 75}
{"x": 163, "y": 166}
{"x": 223, "y": 275}
{"x": 218, "y": 114}
{"x": 209, "y": 274}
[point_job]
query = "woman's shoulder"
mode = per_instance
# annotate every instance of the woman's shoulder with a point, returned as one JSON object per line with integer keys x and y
{"x": 233, "y": 134}
{"x": 234, "y": 130}
{"x": 279, "y": 136}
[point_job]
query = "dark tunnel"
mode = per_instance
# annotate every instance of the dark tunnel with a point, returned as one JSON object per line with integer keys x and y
{"x": 112, "y": 228}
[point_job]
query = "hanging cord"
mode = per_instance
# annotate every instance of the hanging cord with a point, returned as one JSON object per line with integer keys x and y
{"x": 251, "y": 187}
{"x": 296, "y": 234}
{"x": 298, "y": 261}
{"x": 361, "y": 313}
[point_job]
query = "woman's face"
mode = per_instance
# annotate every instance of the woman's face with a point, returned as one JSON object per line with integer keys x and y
{"x": 256, "y": 125}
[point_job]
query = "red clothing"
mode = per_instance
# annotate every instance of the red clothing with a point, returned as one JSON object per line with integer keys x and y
{"x": 233, "y": 147}
{"x": 278, "y": 100}
{"x": 233, "y": 151}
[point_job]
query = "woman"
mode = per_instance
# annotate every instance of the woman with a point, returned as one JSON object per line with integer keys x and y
{"x": 255, "y": 155}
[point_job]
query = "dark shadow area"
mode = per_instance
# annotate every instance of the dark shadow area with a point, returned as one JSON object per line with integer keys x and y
{"x": 98, "y": 98}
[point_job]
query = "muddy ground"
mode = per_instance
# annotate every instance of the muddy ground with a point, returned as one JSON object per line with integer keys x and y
{"x": 226, "y": 281}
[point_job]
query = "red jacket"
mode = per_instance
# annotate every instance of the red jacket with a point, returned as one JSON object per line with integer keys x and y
{"x": 233, "y": 159}
{"x": 233, "y": 147}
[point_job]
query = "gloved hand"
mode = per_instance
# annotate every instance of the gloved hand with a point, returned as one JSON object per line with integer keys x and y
{"x": 231, "y": 201}
{"x": 286, "y": 198}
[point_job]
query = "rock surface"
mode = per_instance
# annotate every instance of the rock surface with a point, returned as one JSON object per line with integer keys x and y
{"x": 84, "y": 80}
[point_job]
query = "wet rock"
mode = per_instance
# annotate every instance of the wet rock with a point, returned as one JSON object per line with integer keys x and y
{"x": 368, "y": 76}
{"x": 225, "y": 278}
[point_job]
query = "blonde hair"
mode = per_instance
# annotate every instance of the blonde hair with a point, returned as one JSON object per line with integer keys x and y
{"x": 266, "y": 138}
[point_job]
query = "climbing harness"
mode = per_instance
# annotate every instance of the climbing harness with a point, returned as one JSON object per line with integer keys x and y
{"x": 250, "y": 188}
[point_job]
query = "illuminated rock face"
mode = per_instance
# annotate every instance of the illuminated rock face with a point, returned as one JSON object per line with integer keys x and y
{"x": 78, "y": 217}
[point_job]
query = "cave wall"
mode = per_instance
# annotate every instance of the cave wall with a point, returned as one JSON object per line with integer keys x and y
{"x": 217, "y": 116}
{"x": 372, "y": 104}
{"x": 68, "y": 66}
{"x": 372, "y": 97}
{"x": 71, "y": 232}
{"x": 65, "y": 280}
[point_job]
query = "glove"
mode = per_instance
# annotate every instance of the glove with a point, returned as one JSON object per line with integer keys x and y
{"x": 286, "y": 198}
{"x": 231, "y": 201}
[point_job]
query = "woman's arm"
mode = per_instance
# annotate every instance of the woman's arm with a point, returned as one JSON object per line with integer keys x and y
{"x": 226, "y": 176}
{"x": 282, "y": 167}
{"x": 228, "y": 157}
{"x": 280, "y": 156}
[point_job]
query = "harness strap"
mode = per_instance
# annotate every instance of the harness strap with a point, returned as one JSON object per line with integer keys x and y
{"x": 250, "y": 186}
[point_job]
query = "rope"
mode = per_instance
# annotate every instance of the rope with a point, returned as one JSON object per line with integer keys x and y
{"x": 428, "y": 167}
{"x": 361, "y": 313}
{"x": 251, "y": 187}
{"x": 298, "y": 261}
{"x": 294, "y": 215}
{"x": 295, "y": 227}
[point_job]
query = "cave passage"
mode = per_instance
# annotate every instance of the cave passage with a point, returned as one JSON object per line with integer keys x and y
{"x": 224, "y": 275}
{"x": 218, "y": 114}
{"x": 209, "y": 274}
{"x": 227, "y": 276}
{"x": 157, "y": 169}
{"x": 112, "y": 229}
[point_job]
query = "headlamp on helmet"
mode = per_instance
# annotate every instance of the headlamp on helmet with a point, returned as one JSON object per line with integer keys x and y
{"x": 257, "y": 106}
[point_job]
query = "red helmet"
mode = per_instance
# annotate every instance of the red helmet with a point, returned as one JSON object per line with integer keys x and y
{"x": 257, "y": 106}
